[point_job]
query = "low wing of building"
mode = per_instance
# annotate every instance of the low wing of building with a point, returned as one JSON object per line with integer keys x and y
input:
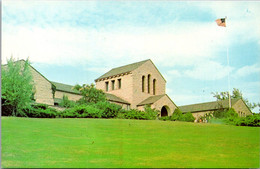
{"x": 200, "y": 109}
{"x": 64, "y": 89}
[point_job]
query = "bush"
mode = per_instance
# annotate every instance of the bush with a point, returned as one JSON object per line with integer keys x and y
{"x": 152, "y": 114}
{"x": 138, "y": 114}
{"x": 188, "y": 117}
{"x": 177, "y": 114}
{"x": 40, "y": 111}
{"x": 81, "y": 111}
{"x": 165, "y": 118}
{"x": 231, "y": 117}
{"x": 108, "y": 110}
{"x": 66, "y": 102}
{"x": 253, "y": 120}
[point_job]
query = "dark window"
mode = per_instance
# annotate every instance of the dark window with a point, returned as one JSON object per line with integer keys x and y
{"x": 154, "y": 87}
{"x": 106, "y": 86}
{"x": 119, "y": 83}
{"x": 148, "y": 83}
{"x": 143, "y": 80}
{"x": 113, "y": 85}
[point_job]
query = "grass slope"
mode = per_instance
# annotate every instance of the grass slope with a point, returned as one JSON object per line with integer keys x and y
{"x": 65, "y": 143}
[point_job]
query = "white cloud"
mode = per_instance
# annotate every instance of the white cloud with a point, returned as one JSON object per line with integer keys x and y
{"x": 248, "y": 70}
{"x": 209, "y": 70}
{"x": 168, "y": 45}
{"x": 174, "y": 73}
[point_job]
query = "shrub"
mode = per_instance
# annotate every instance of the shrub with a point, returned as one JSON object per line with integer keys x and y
{"x": 176, "y": 115}
{"x": 188, "y": 117}
{"x": 108, "y": 110}
{"x": 81, "y": 111}
{"x": 152, "y": 114}
{"x": 39, "y": 111}
{"x": 165, "y": 118}
{"x": 253, "y": 120}
{"x": 66, "y": 102}
{"x": 135, "y": 114}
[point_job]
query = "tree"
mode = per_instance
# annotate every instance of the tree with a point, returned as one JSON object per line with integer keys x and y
{"x": 90, "y": 94}
{"x": 236, "y": 94}
{"x": 17, "y": 87}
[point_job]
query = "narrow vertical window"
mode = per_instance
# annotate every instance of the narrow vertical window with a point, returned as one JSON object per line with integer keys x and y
{"x": 106, "y": 86}
{"x": 113, "y": 85}
{"x": 143, "y": 80}
{"x": 119, "y": 83}
{"x": 154, "y": 87}
{"x": 148, "y": 83}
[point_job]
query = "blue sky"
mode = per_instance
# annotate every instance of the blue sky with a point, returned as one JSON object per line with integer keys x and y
{"x": 77, "y": 41}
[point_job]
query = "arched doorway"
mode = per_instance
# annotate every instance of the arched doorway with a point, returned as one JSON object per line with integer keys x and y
{"x": 164, "y": 111}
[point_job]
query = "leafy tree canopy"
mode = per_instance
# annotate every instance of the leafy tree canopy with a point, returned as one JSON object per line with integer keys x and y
{"x": 236, "y": 94}
{"x": 17, "y": 87}
{"x": 90, "y": 94}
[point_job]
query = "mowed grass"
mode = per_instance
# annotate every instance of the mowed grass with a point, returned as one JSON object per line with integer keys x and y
{"x": 90, "y": 143}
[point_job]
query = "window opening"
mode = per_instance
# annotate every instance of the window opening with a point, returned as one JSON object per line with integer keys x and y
{"x": 143, "y": 80}
{"x": 148, "y": 83}
{"x": 113, "y": 85}
{"x": 154, "y": 87}
{"x": 106, "y": 86}
{"x": 119, "y": 83}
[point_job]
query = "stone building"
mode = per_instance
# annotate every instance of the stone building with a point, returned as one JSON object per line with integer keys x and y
{"x": 64, "y": 89}
{"x": 201, "y": 109}
{"x": 132, "y": 86}
{"x": 48, "y": 92}
{"x": 137, "y": 84}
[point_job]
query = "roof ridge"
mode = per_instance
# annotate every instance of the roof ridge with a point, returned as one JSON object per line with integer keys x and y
{"x": 235, "y": 99}
{"x": 150, "y": 97}
{"x": 118, "y": 99}
{"x": 131, "y": 64}
{"x": 123, "y": 69}
{"x": 62, "y": 83}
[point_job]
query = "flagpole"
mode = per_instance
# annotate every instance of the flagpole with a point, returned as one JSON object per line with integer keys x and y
{"x": 229, "y": 99}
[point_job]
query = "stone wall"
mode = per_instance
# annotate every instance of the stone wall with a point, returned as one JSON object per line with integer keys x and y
{"x": 164, "y": 101}
{"x": 146, "y": 69}
{"x": 126, "y": 86}
{"x": 43, "y": 90}
{"x": 71, "y": 96}
{"x": 241, "y": 108}
{"x": 131, "y": 84}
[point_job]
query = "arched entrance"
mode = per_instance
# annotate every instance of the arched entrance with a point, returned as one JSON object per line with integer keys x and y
{"x": 164, "y": 111}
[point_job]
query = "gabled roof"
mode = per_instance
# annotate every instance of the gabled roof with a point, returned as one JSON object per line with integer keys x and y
{"x": 114, "y": 98}
{"x": 207, "y": 106}
{"x": 122, "y": 69}
{"x": 65, "y": 88}
{"x": 151, "y": 100}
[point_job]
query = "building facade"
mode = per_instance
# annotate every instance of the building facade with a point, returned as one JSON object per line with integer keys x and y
{"x": 138, "y": 84}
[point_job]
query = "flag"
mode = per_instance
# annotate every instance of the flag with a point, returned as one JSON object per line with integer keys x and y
{"x": 221, "y": 22}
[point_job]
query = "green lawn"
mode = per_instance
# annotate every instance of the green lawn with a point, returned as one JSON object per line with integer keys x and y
{"x": 60, "y": 143}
